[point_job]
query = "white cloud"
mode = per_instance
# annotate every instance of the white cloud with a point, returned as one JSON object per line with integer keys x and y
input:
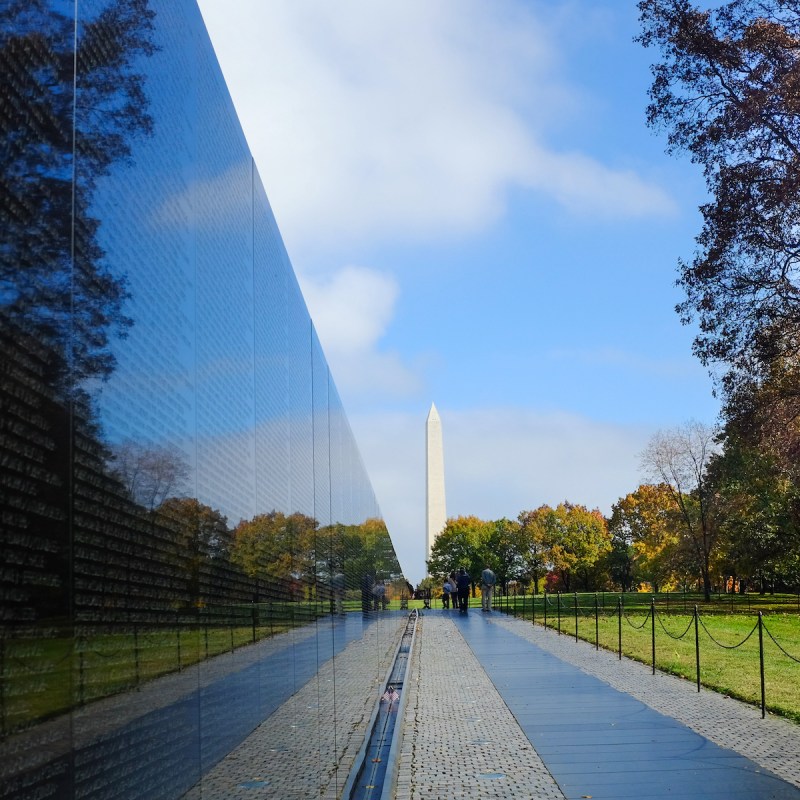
{"x": 498, "y": 462}
{"x": 351, "y": 311}
{"x": 585, "y": 186}
{"x": 406, "y": 119}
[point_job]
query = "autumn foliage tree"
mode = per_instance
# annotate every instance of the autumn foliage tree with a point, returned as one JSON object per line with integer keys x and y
{"x": 577, "y": 539}
{"x": 534, "y": 544}
{"x": 645, "y": 520}
{"x": 678, "y": 459}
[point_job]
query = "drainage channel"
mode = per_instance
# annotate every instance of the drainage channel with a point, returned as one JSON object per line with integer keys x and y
{"x": 375, "y": 769}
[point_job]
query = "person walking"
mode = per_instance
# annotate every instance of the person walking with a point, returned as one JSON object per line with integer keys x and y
{"x": 446, "y": 589}
{"x": 454, "y": 590}
{"x": 463, "y": 590}
{"x": 488, "y": 582}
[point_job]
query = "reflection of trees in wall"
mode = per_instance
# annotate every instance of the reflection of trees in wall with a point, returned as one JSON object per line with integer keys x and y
{"x": 94, "y": 532}
{"x": 293, "y": 558}
{"x": 59, "y": 142}
{"x": 150, "y": 474}
{"x": 59, "y": 301}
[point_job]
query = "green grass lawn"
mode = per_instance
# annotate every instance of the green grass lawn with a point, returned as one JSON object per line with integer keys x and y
{"x": 728, "y": 643}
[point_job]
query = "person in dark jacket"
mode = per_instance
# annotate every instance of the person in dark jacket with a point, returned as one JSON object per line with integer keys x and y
{"x": 463, "y": 581}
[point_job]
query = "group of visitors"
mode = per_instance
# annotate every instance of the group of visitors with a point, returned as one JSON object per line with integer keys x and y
{"x": 455, "y": 591}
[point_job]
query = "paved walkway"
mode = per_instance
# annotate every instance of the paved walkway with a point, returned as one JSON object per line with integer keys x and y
{"x": 498, "y": 708}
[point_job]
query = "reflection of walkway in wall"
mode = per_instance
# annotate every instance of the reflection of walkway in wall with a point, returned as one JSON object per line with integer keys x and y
{"x": 149, "y": 737}
{"x": 307, "y": 748}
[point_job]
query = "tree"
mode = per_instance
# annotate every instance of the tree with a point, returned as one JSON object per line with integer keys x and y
{"x": 678, "y": 459}
{"x": 645, "y": 520}
{"x": 503, "y": 551}
{"x": 726, "y": 92}
{"x": 462, "y": 543}
{"x": 577, "y": 538}
{"x": 533, "y": 534}
{"x": 756, "y": 502}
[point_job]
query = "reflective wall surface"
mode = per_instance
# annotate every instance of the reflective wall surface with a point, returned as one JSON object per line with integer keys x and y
{"x": 189, "y": 540}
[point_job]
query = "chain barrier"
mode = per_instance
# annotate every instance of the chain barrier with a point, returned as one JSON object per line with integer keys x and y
{"x": 21, "y": 662}
{"x": 575, "y": 611}
{"x": 114, "y": 654}
{"x": 637, "y": 627}
{"x": 672, "y": 636}
{"x": 726, "y": 646}
{"x": 778, "y": 645}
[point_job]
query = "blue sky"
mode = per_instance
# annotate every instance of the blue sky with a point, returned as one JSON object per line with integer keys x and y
{"x": 479, "y": 218}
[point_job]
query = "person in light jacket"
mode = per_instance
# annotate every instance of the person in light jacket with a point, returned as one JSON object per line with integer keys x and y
{"x": 488, "y": 582}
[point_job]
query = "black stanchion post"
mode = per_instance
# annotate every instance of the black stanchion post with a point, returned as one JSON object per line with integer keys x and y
{"x": 558, "y": 600}
{"x": 136, "y": 654}
{"x": 545, "y": 608}
{"x": 80, "y": 671}
{"x": 596, "y": 625}
{"x": 178, "y": 638}
{"x": 2, "y": 685}
{"x": 576, "y": 616}
{"x": 761, "y": 663}
{"x": 619, "y": 627}
{"x": 231, "y": 628}
{"x": 653, "y": 631}
{"x": 254, "y": 623}
{"x": 697, "y": 646}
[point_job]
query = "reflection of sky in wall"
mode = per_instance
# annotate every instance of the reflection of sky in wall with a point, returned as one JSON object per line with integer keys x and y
{"x": 220, "y": 360}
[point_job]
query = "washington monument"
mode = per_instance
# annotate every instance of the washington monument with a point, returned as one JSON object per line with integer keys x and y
{"x": 434, "y": 463}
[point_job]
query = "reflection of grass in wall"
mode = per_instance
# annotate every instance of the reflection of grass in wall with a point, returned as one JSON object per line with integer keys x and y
{"x": 42, "y": 678}
{"x": 734, "y": 672}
